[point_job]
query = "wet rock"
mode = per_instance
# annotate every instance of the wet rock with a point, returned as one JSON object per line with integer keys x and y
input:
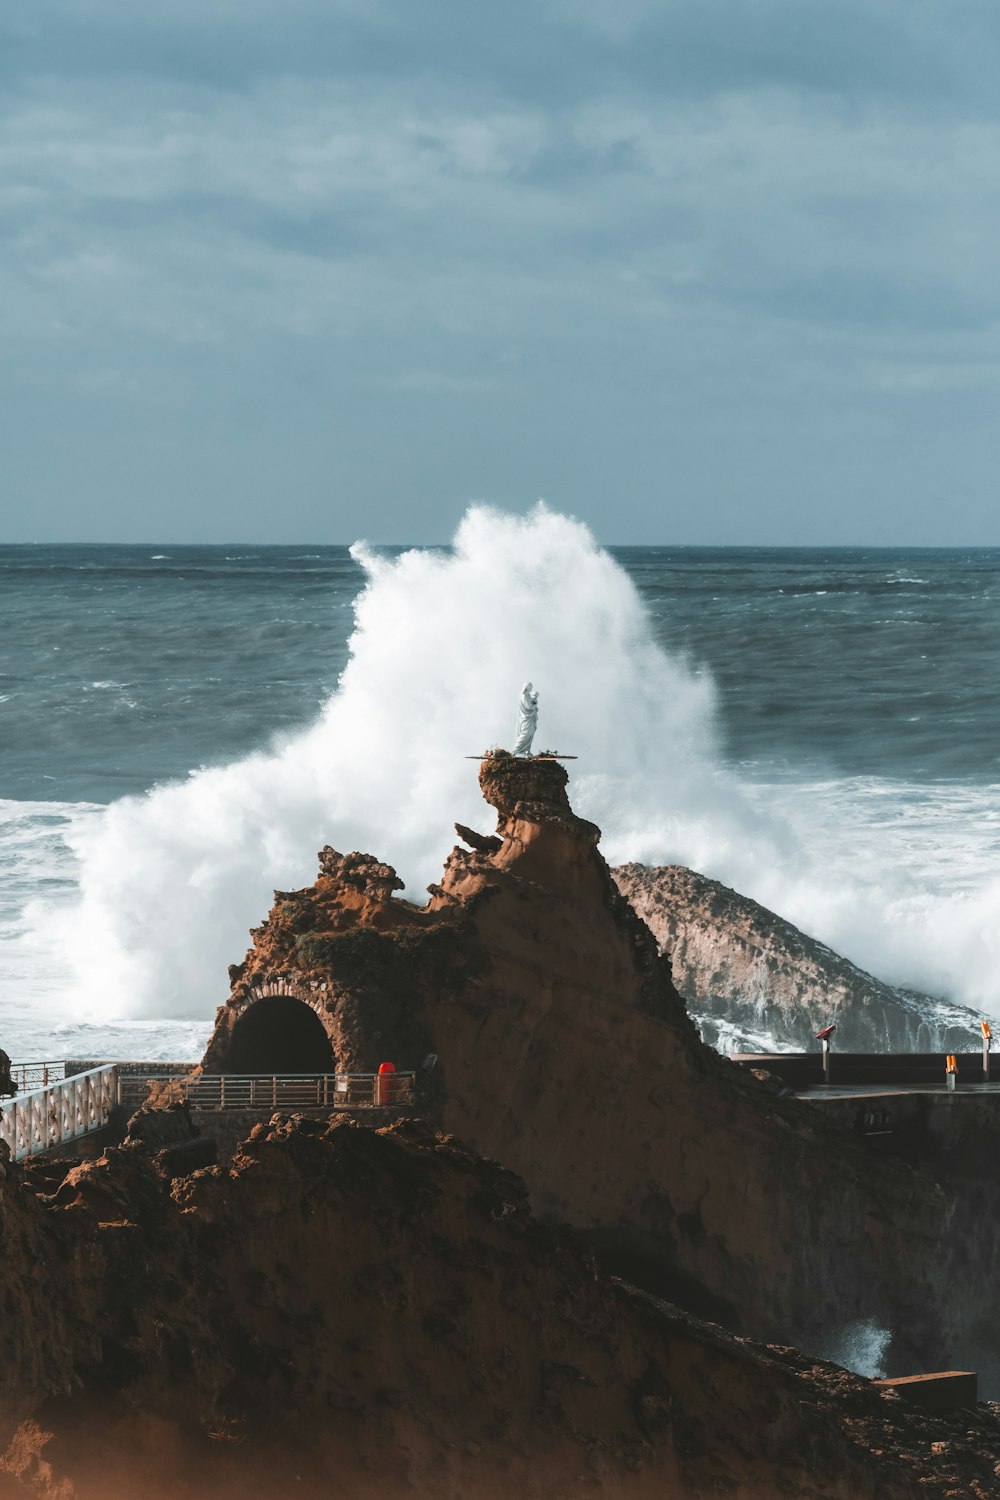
{"x": 748, "y": 974}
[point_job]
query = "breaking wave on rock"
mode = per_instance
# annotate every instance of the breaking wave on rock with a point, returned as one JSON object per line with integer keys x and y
{"x": 170, "y": 881}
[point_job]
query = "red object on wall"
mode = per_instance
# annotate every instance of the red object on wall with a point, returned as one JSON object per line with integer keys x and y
{"x": 385, "y": 1084}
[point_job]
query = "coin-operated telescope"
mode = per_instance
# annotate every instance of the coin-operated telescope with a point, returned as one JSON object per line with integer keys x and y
{"x": 824, "y": 1038}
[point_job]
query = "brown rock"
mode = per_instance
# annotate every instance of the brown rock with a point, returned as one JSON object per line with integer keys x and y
{"x": 364, "y": 1312}
{"x": 481, "y": 842}
{"x": 565, "y": 1052}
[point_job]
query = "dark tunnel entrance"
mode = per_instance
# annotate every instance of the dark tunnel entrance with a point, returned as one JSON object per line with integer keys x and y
{"x": 280, "y": 1034}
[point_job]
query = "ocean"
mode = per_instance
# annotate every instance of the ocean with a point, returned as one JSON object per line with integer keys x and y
{"x": 182, "y": 728}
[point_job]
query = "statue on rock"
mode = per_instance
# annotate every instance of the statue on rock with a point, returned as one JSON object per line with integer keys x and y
{"x": 527, "y": 720}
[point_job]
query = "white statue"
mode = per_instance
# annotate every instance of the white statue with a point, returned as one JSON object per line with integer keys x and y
{"x": 527, "y": 720}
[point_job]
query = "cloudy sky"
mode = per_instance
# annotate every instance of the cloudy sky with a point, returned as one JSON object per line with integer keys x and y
{"x": 718, "y": 271}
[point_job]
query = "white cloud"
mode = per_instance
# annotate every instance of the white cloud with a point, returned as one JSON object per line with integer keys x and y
{"x": 737, "y": 197}
{"x": 624, "y": 216}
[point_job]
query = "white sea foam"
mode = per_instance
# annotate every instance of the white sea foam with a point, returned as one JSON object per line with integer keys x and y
{"x": 861, "y": 1348}
{"x": 171, "y": 881}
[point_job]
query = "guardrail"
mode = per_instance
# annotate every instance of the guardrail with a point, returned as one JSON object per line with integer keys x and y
{"x": 64, "y": 1110}
{"x": 804, "y": 1070}
{"x": 36, "y": 1075}
{"x": 284, "y": 1091}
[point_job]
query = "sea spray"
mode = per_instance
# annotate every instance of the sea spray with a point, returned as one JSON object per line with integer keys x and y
{"x": 860, "y": 1348}
{"x": 171, "y": 881}
{"x": 443, "y": 640}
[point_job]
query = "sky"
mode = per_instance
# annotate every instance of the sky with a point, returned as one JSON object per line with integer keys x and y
{"x": 697, "y": 271}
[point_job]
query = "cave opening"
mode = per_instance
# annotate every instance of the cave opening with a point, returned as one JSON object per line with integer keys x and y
{"x": 280, "y": 1034}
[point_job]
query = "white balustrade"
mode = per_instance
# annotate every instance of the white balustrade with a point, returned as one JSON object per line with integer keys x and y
{"x": 54, "y": 1109}
{"x": 63, "y": 1110}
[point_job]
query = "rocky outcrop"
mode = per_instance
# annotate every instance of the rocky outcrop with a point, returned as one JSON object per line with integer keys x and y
{"x": 753, "y": 981}
{"x": 343, "y": 950}
{"x": 334, "y": 1308}
{"x": 563, "y": 1050}
{"x": 481, "y": 842}
{"x": 345, "y": 1311}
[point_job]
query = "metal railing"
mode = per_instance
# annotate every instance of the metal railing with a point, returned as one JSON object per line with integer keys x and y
{"x": 65, "y": 1109}
{"x": 36, "y": 1075}
{"x": 284, "y": 1090}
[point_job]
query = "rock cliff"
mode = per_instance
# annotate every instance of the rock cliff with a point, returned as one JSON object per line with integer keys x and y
{"x": 563, "y": 1050}
{"x": 377, "y": 1313}
{"x": 509, "y": 1295}
{"x": 748, "y": 975}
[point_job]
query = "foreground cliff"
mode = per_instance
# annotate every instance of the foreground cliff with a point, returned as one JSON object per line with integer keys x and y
{"x": 545, "y": 1030}
{"x": 753, "y": 980}
{"x": 361, "y": 1313}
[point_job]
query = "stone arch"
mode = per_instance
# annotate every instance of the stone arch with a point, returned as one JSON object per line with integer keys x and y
{"x": 279, "y": 1030}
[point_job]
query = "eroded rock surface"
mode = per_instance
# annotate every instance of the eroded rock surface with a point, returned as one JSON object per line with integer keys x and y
{"x": 747, "y": 974}
{"x": 345, "y": 1311}
{"x": 563, "y": 1050}
{"x": 341, "y": 1309}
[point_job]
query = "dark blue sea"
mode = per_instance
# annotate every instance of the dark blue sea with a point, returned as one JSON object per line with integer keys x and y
{"x": 183, "y": 727}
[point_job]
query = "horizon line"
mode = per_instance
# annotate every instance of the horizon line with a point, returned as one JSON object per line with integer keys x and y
{"x": 672, "y": 546}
